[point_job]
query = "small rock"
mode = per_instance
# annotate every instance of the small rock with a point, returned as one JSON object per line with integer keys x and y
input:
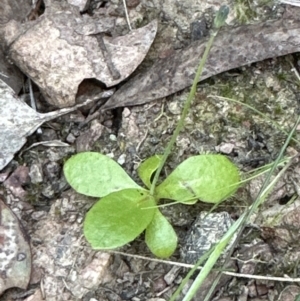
{"x": 247, "y": 256}
{"x": 37, "y": 215}
{"x": 70, "y": 138}
{"x": 48, "y": 191}
{"x": 198, "y": 29}
{"x": 52, "y": 170}
{"x": 81, "y": 4}
{"x": 36, "y": 173}
{"x": 159, "y": 285}
{"x": 48, "y": 135}
{"x": 112, "y": 137}
{"x": 172, "y": 274}
{"x": 4, "y": 175}
{"x": 16, "y": 180}
{"x": 122, "y": 159}
{"x": 206, "y": 231}
{"x": 87, "y": 139}
{"x": 174, "y": 107}
{"x": 225, "y": 148}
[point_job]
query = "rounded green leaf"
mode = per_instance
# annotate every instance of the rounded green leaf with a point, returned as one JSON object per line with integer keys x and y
{"x": 160, "y": 236}
{"x": 210, "y": 178}
{"x": 96, "y": 175}
{"x": 118, "y": 218}
{"x": 147, "y": 168}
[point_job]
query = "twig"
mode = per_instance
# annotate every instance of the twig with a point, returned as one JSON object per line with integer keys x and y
{"x": 142, "y": 141}
{"x": 189, "y": 266}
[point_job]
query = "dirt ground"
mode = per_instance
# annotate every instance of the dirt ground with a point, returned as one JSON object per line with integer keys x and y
{"x": 65, "y": 268}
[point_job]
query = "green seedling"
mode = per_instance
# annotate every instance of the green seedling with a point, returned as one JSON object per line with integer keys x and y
{"x": 126, "y": 209}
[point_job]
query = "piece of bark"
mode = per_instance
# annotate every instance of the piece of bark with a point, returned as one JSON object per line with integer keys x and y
{"x": 233, "y": 47}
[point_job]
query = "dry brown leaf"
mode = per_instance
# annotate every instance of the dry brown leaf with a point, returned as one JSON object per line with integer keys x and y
{"x": 61, "y": 49}
{"x": 17, "y": 121}
{"x": 15, "y": 262}
{"x": 233, "y": 47}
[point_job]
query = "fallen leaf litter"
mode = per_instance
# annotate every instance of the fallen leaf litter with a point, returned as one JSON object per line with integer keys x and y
{"x": 61, "y": 49}
{"x": 18, "y": 121}
{"x": 136, "y": 115}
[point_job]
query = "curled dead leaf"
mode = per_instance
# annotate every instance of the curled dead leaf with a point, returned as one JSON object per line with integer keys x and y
{"x": 58, "y": 56}
{"x": 18, "y": 120}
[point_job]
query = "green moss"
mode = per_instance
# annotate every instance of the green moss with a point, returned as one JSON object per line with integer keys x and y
{"x": 33, "y": 193}
{"x": 249, "y": 10}
{"x": 236, "y": 119}
{"x": 278, "y": 110}
{"x": 227, "y": 90}
{"x": 282, "y": 76}
{"x": 139, "y": 23}
{"x": 244, "y": 12}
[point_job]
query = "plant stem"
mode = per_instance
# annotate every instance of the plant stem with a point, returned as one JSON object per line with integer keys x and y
{"x": 222, "y": 14}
